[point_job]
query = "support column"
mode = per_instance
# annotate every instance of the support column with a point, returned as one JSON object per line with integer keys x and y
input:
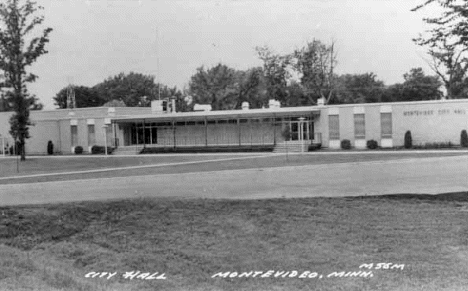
{"x": 114, "y": 133}
{"x": 239, "y": 131}
{"x": 136, "y": 132}
{"x": 206, "y": 132}
{"x": 174, "y": 132}
{"x": 60, "y": 136}
{"x": 144, "y": 135}
{"x": 274, "y": 129}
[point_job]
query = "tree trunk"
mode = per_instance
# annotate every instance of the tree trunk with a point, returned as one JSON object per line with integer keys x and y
{"x": 22, "y": 149}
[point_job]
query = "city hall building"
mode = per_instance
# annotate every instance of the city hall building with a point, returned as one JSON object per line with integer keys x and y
{"x": 131, "y": 129}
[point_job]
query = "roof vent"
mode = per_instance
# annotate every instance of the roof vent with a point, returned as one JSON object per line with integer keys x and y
{"x": 202, "y": 107}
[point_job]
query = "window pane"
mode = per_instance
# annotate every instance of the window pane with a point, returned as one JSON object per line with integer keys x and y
{"x": 91, "y": 135}
{"x": 334, "y": 126}
{"x": 386, "y": 124}
{"x": 359, "y": 126}
{"x": 74, "y": 135}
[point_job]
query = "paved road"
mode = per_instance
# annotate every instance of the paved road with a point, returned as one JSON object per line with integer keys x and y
{"x": 427, "y": 175}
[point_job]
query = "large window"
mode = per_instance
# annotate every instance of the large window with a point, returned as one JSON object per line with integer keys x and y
{"x": 143, "y": 134}
{"x": 334, "y": 126}
{"x": 386, "y": 125}
{"x": 74, "y": 135}
{"x": 359, "y": 126}
{"x": 91, "y": 135}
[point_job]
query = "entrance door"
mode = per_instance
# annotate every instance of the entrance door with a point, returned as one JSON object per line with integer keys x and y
{"x": 297, "y": 131}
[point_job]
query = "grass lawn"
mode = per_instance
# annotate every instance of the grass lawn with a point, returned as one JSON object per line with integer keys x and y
{"x": 51, "y": 165}
{"x": 53, "y": 247}
{"x": 40, "y": 165}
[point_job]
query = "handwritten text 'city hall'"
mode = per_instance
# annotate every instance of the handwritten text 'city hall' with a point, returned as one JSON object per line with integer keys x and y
{"x": 128, "y": 275}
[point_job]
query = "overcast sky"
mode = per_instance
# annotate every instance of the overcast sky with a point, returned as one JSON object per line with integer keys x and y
{"x": 95, "y": 39}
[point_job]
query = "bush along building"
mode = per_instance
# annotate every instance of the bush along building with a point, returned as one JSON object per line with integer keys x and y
{"x": 128, "y": 130}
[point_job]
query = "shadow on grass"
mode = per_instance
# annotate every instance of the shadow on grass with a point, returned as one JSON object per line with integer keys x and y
{"x": 453, "y": 197}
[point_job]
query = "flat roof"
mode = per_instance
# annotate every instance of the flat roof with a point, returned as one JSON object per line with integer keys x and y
{"x": 305, "y": 110}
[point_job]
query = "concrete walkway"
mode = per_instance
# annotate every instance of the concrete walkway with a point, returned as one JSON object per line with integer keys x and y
{"x": 423, "y": 175}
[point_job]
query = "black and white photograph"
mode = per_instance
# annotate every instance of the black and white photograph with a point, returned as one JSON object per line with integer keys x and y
{"x": 233, "y": 145}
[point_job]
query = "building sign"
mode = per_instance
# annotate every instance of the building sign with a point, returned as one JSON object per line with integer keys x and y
{"x": 434, "y": 112}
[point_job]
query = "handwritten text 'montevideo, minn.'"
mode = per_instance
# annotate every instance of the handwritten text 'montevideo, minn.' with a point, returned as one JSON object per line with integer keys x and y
{"x": 365, "y": 271}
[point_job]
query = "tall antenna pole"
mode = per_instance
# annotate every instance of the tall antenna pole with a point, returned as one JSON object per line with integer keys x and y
{"x": 159, "y": 72}
{"x": 71, "y": 102}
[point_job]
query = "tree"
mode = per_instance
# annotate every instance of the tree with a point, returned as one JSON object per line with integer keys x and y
{"x": 451, "y": 24}
{"x": 358, "y": 88}
{"x": 276, "y": 71}
{"x": 296, "y": 95}
{"x": 18, "y": 22}
{"x": 316, "y": 63}
{"x": 84, "y": 97}
{"x": 250, "y": 85}
{"x": 448, "y": 44}
{"x": 216, "y": 86}
{"x": 418, "y": 86}
{"x": 114, "y": 103}
{"x": 130, "y": 88}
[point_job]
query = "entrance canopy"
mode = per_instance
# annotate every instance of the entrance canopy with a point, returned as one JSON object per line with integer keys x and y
{"x": 215, "y": 128}
{"x": 309, "y": 111}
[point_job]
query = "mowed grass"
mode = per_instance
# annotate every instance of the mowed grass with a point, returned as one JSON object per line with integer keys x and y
{"x": 53, "y": 247}
{"x": 155, "y": 165}
{"x": 41, "y": 165}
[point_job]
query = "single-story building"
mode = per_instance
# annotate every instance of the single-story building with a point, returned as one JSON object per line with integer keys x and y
{"x": 129, "y": 129}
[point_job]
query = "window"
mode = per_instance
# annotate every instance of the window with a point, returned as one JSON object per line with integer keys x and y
{"x": 334, "y": 126}
{"x": 109, "y": 134}
{"x": 91, "y": 135}
{"x": 386, "y": 125}
{"x": 74, "y": 135}
{"x": 359, "y": 126}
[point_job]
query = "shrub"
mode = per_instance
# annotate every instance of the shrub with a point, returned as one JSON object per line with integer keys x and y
{"x": 372, "y": 144}
{"x": 346, "y": 144}
{"x": 464, "y": 139}
{"x": 286, "y": 133}
{"x": 437, "y": 145}
{"x": 408, "y": 140}
{"x": 50, "y": 148}
{"x": 78, "y": 150}
{"x": 314, "y": 146}
{"x": 100, "y": 150}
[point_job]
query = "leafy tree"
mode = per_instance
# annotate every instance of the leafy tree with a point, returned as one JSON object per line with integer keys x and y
{"x": 130, "y": 88}
{"x": 447, "y": 44}
{"x": 418, "y": 86}
{"x": 250, "y": 85}
{"x": 114, "y": 103}
{"x": 296, "y": 95}
{"x": 216, "y": 86}
{"x": 84, "y": 97}
{"x": 18, "y": 22}
{"x": 358, "y": 88}
{"x": 316, "y": 63}
{"x": 276, "y": 71}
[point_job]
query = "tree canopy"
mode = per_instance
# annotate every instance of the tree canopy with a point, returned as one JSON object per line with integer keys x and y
{"x": 18, "y": 51}
{"x": 447, "y": 43}
{"x": 84, "y": 97}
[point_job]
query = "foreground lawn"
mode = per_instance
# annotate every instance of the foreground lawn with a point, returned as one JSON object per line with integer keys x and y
{"x": 196, "y": 163}
{"x": 53, "y": 247}
{"x": 40, "y": 165}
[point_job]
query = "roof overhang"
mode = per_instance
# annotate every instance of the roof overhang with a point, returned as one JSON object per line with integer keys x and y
{"x": 222, "y": 114}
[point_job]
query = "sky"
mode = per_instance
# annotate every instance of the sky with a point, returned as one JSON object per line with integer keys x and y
{"x": 95, "y": 39}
